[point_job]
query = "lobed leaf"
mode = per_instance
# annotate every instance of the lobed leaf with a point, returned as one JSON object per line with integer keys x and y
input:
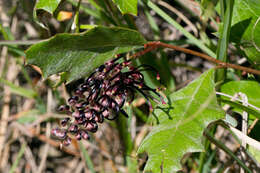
{"x": 181, "y": 124}
{"x": 80, "y": 54}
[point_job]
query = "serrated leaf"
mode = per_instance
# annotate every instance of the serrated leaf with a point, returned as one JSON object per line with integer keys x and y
{"x": 47, "y": 5}
{"x": 246, "y": 27}
{"x": 181, "y": 124}
{"x": 250, "y": 88}
{"x": 80, "y": 54}
{"x": 127, "y": 6}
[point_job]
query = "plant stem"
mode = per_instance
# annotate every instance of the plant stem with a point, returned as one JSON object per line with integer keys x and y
{"x": 77, "y": 17}
{"x": 156, "y": 44}
{"x": 226, "y": 149}
{"x": 86, "y": 157}
{"x": 226, "y": 15}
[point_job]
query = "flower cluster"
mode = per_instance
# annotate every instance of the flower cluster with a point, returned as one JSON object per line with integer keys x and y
{"x": 102, "y": 96}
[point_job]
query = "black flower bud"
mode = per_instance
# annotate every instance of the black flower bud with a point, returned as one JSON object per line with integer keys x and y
{"x": 102, "y": 96}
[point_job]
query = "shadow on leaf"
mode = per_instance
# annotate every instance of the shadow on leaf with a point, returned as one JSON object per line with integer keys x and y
{"x": 237, "y": 30}
{"x": 165, "y": 109}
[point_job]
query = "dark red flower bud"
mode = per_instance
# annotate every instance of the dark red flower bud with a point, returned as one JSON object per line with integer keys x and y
{"x": 105, "y": 113}
{"x": 95, "y": 127}
{"x": 71, "y": 101}
{"x": 78, "y": 136}
{"x": 88, "y": 114}
{"x": 103, "y": 95}
{"x": 99, "y": 118}
{"x": 104, "y": 101}
{"x": 158, "y": 76}
{"x": 80, "y": 120}
{"x": 73, "y": 128}
{"x": 59, "y": 133}
{"x": 76, "y": 114}
{"x": 84, "y": 135}
{"x": 79, "y": 92}
{"x": 67, "y": 141}
{"x": 64, "y": 108}
{"x": 89, "y": 126}
{"x": 64, "y": 122}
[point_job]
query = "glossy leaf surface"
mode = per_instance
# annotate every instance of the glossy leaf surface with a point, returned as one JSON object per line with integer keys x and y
{"x": 127, "y": 6}
{"x": 80, "y": 54}
{"x": 47, "y": 5}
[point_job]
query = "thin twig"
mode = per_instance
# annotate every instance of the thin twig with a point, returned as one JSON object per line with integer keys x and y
{"x": 43, "y": 138}
{"x": 226, "y": 149}
{"x": 252, "y": 125}
{"x": 29, "y": 156}
{"x": 209, "y": 58}
{"x": 12, "y": 72}
{"x": 32, "y": 132}
{"x": 236, "y": 99}
{"x": 244, "y": 117}
{"x": 244, "y": 125}
{"x": 156, "y": 44}
{"x": 45, "y": 150}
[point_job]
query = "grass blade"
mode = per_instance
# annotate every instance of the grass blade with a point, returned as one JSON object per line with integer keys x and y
{"x": 19, "y": 90}
{"x": 86, "y": 158}
{"x": 171, "y": 21}
{"x": 224, "y": 36}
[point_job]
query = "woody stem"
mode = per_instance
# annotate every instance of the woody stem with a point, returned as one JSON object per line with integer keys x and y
{"x": 156, "y": 44}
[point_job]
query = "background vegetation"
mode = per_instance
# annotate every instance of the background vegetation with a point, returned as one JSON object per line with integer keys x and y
{"x": 210, "y": 122}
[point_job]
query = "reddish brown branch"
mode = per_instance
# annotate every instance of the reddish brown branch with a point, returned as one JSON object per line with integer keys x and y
{"x": 156, "y": 44}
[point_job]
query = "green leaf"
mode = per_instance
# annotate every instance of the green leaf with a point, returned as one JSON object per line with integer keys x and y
{"x": 255, "y": 153}
{"x": 181, "y": 124}
{"x": 246, "y": 27}
{"x": 80, "y": 54}
{"x": 250, "y": 88}
{"x": 47, "y": 5}
{"x": 127, "y": 6}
